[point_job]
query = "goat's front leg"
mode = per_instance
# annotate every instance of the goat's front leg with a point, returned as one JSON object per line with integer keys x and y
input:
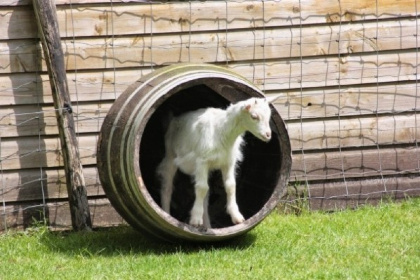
{"x": 230, "y": 186}
{"x": 201, "y": 190}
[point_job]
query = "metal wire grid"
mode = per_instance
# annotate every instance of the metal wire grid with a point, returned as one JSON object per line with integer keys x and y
{"x": 263, "y": 39}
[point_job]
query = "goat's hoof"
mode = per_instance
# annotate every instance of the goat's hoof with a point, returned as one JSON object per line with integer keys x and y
{"x": 196, "y": 222}
{"x": 238, "y": 219}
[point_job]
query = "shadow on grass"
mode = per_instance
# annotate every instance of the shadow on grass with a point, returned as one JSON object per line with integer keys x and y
{"x": 125, "y": 240}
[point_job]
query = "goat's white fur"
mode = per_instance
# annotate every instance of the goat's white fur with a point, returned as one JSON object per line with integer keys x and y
{"x": 208, "y": 139}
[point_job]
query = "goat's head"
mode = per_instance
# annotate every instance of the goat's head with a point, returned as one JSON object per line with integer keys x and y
{"x": 256, "y": 119}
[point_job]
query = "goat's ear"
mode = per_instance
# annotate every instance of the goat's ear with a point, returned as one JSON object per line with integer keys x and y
{"x": 272, "y": 98}
{"x": 247, "y": 107}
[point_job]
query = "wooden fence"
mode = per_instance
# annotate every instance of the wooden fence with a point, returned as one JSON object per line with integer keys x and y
{"x": 347, "y": 70}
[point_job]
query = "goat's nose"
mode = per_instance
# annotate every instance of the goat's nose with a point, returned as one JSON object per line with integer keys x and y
{"x": 268, "y": 134}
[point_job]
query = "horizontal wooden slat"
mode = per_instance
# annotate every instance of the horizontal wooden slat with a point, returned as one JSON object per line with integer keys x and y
{"x": 22, "y": 89}
{"x": 355, "y": 163}
{"x": 328, "y": 71}
{"x": 35, "y": 120}
{"x": 348, "y": 101}
{"x": 31, "y": 153}
{"x": 20, "y": 56}
{"x": 34, "y": 152}
{"x": 134, "y": 18}
{"x": 320, "y": 72}
{"x": 17, "y": 23}
{"x": 354, "y": 132}
{"x": 353, "y": 193}
{"x": 38, "y": 184}
{"x": 29, "y": 88}
{"x": 364, "y": 163}
{"x": 57, "y": 214}
{"x": 315, "y": 134}
{"x": 61, "y": 2}
{"x": 23, "y": 55}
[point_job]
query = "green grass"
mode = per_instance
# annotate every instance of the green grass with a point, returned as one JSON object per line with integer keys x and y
{"x": 370, "y": 243}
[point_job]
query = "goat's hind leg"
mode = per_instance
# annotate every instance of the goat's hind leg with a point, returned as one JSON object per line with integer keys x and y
{"x": 166, "y": 171}
{"x": 230, "y": 187}
{"x": 206, "y": 215}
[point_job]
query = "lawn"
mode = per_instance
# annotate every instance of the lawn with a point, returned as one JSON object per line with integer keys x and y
{"x": 380, "y": 242}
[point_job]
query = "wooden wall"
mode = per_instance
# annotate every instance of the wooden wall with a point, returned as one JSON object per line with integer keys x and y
{"x": 347, "y": 71}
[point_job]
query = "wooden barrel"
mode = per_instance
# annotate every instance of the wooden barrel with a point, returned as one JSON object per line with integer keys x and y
{"x": 131, "y": 145}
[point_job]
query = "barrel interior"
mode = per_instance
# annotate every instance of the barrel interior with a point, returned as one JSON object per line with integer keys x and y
{"x": 257, "y": 175}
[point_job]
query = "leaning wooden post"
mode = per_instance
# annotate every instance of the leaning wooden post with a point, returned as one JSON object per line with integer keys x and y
{"x": 46, "y": 15}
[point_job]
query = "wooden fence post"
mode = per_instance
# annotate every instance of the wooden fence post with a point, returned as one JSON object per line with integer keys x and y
{"x": 46, "y": 15}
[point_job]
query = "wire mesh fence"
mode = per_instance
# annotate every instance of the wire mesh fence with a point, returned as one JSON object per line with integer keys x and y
{"x": 347, "y": 74}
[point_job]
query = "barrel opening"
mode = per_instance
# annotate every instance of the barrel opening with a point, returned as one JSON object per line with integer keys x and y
{"x": 257, "y": 175}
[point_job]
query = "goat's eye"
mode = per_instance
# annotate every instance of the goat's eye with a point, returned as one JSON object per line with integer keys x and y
{"x": 255, "y": 116}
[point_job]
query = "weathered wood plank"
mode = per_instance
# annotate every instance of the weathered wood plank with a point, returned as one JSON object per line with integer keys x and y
{"x": 17, "y": 23}
{"x": 357, "y": 131}
{"x": 243, "y": 45}
{"x": 32, "y": 120}
{"x": 21, "y": 56}
{"x": 348, "y": 101}
{"x": 29, "y": 88}
{"x": 141, "y": 51}
{"x": 322, "y": 72}
{"x": 61, "y": 2}
{"x": 354, "y": 132}
{"x": 21, "y": 216}
{"x": 133, "y": 18}
{"x": 32, "y": 152}
{"x": 23, "y": 89}
{"x": 359, "y": 164}
{"x": 352, "y": 193}
{"x": 38, "y": 184}
{"x": 322, "y": 165}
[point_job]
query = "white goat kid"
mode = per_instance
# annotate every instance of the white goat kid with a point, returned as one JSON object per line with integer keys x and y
{"x": 209, "y": 139}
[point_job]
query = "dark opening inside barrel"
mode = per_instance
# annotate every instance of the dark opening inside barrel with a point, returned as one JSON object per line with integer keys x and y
{"x": 131, "y": 145}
